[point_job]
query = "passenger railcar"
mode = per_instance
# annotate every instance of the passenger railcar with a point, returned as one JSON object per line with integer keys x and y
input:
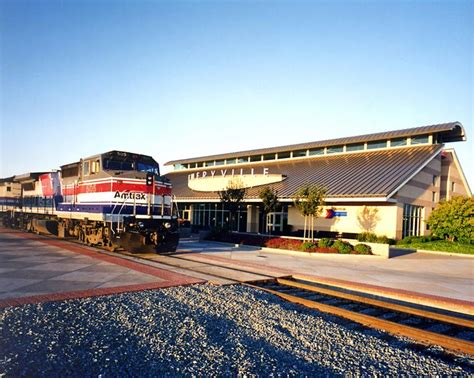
{"x": 114, "y": 199}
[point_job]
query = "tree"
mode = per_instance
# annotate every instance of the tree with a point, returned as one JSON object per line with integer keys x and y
{"x": 231, "y": 197}
{"x": 454, "y": 219}
{"x": 269, "y": 199}
{"x": 308, "y": 200}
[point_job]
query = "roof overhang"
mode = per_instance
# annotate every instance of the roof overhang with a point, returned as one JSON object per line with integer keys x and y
{"x": 290, "y": 200}
{"x": 445, "y": 132}
{"x": 455, "y": 134}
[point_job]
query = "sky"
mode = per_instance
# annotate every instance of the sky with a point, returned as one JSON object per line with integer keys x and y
{"x": 180, "y": 79}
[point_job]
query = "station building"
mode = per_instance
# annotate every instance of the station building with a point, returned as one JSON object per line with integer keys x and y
{"x": 387, "y": 183}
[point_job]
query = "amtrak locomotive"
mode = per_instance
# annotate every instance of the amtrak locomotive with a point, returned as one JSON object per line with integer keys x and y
{"x": 115, "y": 199}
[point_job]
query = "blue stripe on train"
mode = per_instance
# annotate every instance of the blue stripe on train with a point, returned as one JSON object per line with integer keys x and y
{"x": 31, "y": 202}
{"x": 108, "y": 209}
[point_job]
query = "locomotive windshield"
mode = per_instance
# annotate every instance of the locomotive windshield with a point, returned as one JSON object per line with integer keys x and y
{"x": 122, "y": 161}
{"x": 144, "y": 167}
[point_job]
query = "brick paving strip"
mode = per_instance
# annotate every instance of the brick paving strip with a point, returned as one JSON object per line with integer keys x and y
{"x": 170, "y": 278}
{"x": 457, "y": 305}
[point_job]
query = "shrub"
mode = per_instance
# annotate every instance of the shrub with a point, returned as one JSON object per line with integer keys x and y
{"x": 417, "y": 239}
{"x": 342, "y": 246}
{"x": 370, "y": 237}
{"x": 282, "y": 243}
{"x": 454, "y": 219}
{"x": 362, "y": 249}
{"x": 382, "y": 239}
{"x": 392, "y": 241}
{"x": 325, "y": 250}
{"x": 217, "y": 233}
{"x": 325, "y": 242}
{"x": 367, "y": 237}
{"x": 308, "y": 246}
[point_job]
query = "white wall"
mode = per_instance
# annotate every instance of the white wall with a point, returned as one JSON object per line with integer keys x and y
{"x": 383, "y": 218}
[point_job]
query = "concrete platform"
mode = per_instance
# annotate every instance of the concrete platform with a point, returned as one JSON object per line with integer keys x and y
{"x": 35, "y": 269}
{"x": 444, "y": 281}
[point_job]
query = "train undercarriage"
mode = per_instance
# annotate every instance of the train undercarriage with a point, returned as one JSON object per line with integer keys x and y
{"x": 131, "y": 234}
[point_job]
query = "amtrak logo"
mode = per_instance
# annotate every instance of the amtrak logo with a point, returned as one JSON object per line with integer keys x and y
{"x": 130, "y": 195}
{"x": 331, "y": 213}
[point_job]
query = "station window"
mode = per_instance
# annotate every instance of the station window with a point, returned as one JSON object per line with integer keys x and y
{"x": 256, "y": 158}
{"x": 219, "y": 162}
{"x": 355, "y": 147}
{"x": 411, "y": 220}
{"x": 242, "y": 160}
{"x": 335, "y": 149}
{"x": 199, "y": 164}
{"x": 9, "y": 188}
{"x": 283, "y": 155}
{"x": 420, "y": 139}
{"x": 299, "y": 153}
{"x": 376, "y": 144}
{"x": 230, "y": 161}
{"x": 316, "y": 151}
{"x": 210, "y": 163}
{"x": 453, "y": 186}
{"x": 269, "y": 157}
{"x": 178, "y": 167}
{"x": 435, "y": 180}
{"x": 433, "y": 196}
{"x": 397, "y": 142}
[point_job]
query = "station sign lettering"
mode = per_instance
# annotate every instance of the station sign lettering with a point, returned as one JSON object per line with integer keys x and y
{"x": 228, "y": 172}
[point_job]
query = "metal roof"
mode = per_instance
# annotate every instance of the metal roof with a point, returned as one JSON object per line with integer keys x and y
{"x": 31, "y": 176}
{"x": 375, "y": 173}
{"x": 447, "y": 132}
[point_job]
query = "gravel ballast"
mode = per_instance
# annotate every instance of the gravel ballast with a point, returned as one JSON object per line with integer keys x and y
{"x": 201, "y": 330}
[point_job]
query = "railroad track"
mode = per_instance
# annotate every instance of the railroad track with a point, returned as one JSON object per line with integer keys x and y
{"x": 454, "y": 332}
{"x": 428, "y": 326}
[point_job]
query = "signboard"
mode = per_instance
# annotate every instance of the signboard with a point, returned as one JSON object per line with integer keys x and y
{"x": 219, "y": 179}
{"x": 331, "y": 213}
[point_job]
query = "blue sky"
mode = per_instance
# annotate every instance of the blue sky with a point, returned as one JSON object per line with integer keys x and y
{"x": 177, "y": 79}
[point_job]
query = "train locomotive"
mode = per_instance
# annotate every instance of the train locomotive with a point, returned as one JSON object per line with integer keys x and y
{"x": 113, "y": 200}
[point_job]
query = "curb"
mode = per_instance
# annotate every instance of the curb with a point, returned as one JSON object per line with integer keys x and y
{"x": 446, "y": 253}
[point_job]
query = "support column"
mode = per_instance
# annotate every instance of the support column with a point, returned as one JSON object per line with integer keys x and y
{"x": 252, "y": 218}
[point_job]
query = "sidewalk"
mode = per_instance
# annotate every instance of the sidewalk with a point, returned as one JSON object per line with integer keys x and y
{"x": 36, "y": 269}
{"x": 423, "y": 273}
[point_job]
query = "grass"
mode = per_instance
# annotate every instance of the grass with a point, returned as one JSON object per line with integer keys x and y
{"x": 441, "y": 245}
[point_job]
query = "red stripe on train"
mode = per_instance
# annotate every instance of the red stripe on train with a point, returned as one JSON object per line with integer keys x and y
{"x": 116, "y": 187}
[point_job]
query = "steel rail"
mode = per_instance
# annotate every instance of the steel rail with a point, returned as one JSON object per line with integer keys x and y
{"x": 421, "y": 336}
{"x": 382, "y": 304}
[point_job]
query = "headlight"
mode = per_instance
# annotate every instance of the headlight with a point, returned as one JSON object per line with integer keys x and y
{"x": 141, "y": 224}
{"x": 167, "y": 225}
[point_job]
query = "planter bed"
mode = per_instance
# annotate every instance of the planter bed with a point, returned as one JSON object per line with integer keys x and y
{"x": 288, "y": 244}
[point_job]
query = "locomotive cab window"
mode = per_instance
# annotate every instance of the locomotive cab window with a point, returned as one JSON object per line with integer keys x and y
{"x": 86, "y": 168}
{"x": 116, "y": 165}
{"x": 95, "y": 167}
{"x": 71, "y": 171}
{"x": 147, "y": 167}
